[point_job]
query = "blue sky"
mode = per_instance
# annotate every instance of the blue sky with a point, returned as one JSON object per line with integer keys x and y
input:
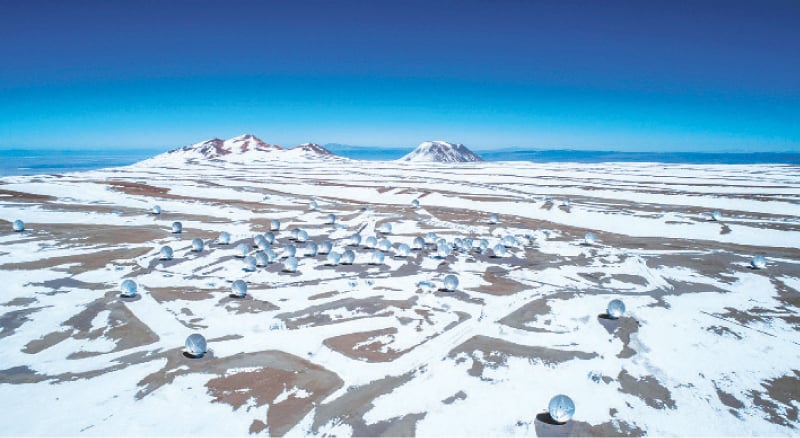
{"x": 655, "y": 75}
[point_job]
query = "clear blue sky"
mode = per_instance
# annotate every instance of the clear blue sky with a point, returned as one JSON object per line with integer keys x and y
{"x": 637, "y": 75}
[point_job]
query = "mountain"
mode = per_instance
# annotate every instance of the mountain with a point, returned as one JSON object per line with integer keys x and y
{"x": 216, "y": 148}
{"x": 310, "y": 150}
{"x": 441, "y": 152}
{"x": 242, "y": 150}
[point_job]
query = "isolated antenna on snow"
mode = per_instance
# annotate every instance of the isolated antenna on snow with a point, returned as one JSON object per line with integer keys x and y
{"x": 195, "y": 345}
{"x": 561, "y": 408}
{"x": 615, "y": 309}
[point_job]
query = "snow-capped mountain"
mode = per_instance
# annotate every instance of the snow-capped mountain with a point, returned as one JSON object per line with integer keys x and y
{"x": 242, "y": 150}
{"x": 442, "y": 152}
{"x": 311, "y": 150}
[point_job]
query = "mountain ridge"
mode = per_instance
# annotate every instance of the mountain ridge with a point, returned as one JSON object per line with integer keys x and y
{"x": 441, "y": 152}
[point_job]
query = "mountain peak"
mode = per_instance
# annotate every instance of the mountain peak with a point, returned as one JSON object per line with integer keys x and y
{"x": 313, "y": 149}
{"x": 242, "y": 149}
{"x": 442, "y": 152}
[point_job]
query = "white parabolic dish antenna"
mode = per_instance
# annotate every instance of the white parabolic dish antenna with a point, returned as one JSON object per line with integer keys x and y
{"x": 224, "y": 238}
{"x": 128, "y": 288}
{"x": 239, "y": 288}
{"x": 250, "y": 263}
{"x": 348, "y": 257}
{"x": 377, "y": 258}
{"x": 166, "y": 253}
{"x": 759, "y": 262}
{"x": 333, "y": 259}
{"x": 325, "y": 247}
{"x": 450, "y": 283}
{"x": 242, "y": 250}
{"x": 196, "y": 345}
{"x": 561, "y": 408}
{"x": 616, "y": 308}
{"x": 290, "y": 264}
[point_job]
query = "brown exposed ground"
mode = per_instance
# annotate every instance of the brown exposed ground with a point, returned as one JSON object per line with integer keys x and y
{"x": 648, "y": 389}
{"x": 83, "y": 263}
{"x": 495, "y": 353}
{"x": 531, "y": 311}
{"x": 350, "y": 408}
{"x": 363, "y": 307}
{"x": 279, "y": 372}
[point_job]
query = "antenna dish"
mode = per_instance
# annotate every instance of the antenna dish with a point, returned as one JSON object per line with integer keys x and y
{"x": 261, "y": 259}
{"x": 450, "y": 283}
{"x": 354, "y": 240}
{"x": 155, "y": 209}
{"x": 589, "y": 239}
{"x": 348, "y": 257}
{"x": 195, "y": 345}
{"x": 499, "y": 250}
{"x": 561, "y": 408}
{"x": 311, "y": 249}
{"x": 290, "y": 265}
{"x": 333, "y": 258}
{"x": 18, "y": 226}
{"x": 239, "y": 289}
{"x": 418, "y": 243}
{"x": 250, "y": 263}
{"x": 616, "y": 308}
{"x": 384, "y": 245}
{"x": 242, "y": 250}
{"x": 430, "y": 238}
{"x": 377, "y": 258}
{"x": 312, "y": 205}
{"x": 402, "y": 250}
{"x": 330, "y": 219}
{"x": 274, "y": 225}
{"x": 325, "y": 247}
{"x": 177, "y": 227}
{"x": 197, "y": 245}
{"x": 289, "y": 251}
{"x": 443, "y": 249}
{"x": 128, "y": 288}
{"x": 758, "y": 262}
{"x": 166, "y": 253}
{"x": 494, "y": 218}
{"x": 224, "y": 238}
{"x": 260, "y": 241}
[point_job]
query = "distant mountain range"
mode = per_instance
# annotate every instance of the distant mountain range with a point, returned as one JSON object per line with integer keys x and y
{"x": 242, "y": 149}
{"x": 247, "y": 148}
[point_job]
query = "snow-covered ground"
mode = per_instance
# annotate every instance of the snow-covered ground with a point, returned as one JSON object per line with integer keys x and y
{"x": 707, "y": 346}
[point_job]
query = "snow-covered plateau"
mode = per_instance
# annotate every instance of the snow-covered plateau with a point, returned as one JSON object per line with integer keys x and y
{"x": 707, "y": 343}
